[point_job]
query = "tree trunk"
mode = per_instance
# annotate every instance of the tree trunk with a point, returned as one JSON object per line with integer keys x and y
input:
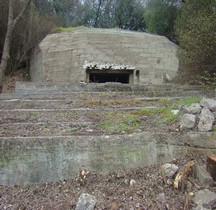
{"x": 10, "y": 27}
{"x": 98, "y": 13}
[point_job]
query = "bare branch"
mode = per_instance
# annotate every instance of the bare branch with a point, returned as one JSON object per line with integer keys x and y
{"x": 16, "y": 20}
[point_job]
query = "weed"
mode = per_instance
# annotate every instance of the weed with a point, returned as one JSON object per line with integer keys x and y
{"x": 121, "y": 122}
{"x": 164, "y": 113}
{"x": 185, "y": 101}
{"x": 165, "y": 101}
{"x": 170, "y": 118}
{"x": 34, "y": 114}
{"x": 152, "y": 111}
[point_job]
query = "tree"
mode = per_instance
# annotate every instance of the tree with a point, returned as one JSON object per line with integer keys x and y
{"x": 10, "y": 28}
{"x": 124, "y": 14}
{"x": 160, "y": 16}
{"x": 196, "y": 29}
{"x": 129, "y": 15}
{"x": 33, "y": 27}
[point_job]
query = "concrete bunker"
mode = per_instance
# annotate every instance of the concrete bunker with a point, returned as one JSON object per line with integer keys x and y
{"x": 119, "y": 55}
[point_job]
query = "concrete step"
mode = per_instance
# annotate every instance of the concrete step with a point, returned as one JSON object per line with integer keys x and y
{"x": 58, "y": 116}
{"x": 72, "y": 105}
{"x": 144, "y": 90}
{"x": 26, "y": 129}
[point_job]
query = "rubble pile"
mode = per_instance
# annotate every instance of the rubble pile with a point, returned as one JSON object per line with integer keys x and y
{"x": 199, "y": 116}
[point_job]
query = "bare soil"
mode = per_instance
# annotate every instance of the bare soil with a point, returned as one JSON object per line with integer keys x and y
{"x": 112, "y": 191}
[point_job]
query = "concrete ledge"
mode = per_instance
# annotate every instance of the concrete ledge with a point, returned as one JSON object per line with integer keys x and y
{"x": 190, "y": 140}
{"x": 149, "y": 90}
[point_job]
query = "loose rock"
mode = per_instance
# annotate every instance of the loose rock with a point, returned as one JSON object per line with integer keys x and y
{"x": 206, "y": 120}
{"x": 202, "y": 175}
{"x": 86, "y": 202}
{"x": 193, "y": 109}
{"x": 209, "y": 104}
{"x": 188, "y": 121}
{"x": 169, "y": 170}
{"x": 203, "y": 198}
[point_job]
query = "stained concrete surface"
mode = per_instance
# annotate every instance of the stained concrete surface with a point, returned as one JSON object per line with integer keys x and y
{"x": 35, "y": 160}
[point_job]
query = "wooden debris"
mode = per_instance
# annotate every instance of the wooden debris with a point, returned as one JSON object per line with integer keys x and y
{"x": 82, "y": 177}
{"x": 181, "y": 177}
{"x": 211, "y": 165}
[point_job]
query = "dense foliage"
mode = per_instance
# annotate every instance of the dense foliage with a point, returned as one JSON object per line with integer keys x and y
{"x": 196, "y": 30}
{"x": 160, "y": 16}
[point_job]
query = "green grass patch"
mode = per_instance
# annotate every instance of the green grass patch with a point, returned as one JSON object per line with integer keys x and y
{"x": 162, "y": 114}
{"x": 128, "y": 122}
{"x": 116, "y": 122}
{"x": 185, "y": 101}
{"x": 153, "y": 111}
{"x": 61, "y": 29}
{"x": 165, "y": 101}
{"x": 34, "y": 114}
{"x": 175, "y": 103}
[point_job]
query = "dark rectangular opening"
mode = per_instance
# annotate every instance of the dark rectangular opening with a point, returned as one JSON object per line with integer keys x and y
{"x": 109, "y": 77}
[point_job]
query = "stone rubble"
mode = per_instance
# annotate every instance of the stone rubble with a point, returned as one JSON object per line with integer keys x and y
{"x": 199, "y": 116}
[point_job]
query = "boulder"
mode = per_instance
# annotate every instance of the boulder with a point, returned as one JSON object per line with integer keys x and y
{"x": 209, "y": 104}
{"x": 203, "y": 199}
{"x": 86, "y": 202}
{"x": 206, "y": 120}
{"x": 193, "y": 109}
{"x": 188, "y": 121}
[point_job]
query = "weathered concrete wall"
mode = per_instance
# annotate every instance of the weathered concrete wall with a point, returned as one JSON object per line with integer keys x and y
{"x": 62, "y": 57}
{"x": 44, "y": 159}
